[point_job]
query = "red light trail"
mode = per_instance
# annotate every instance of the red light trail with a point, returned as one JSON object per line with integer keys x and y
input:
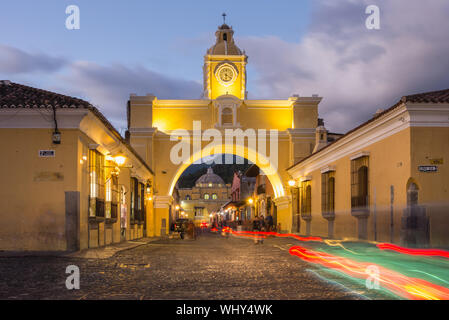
{"x": 414, "y": 252}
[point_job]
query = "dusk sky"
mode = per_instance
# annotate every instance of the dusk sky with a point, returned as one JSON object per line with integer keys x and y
{"x": 304, "y": 47}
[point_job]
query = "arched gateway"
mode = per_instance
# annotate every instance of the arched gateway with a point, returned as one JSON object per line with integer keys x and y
{"x": 172, "y": 134}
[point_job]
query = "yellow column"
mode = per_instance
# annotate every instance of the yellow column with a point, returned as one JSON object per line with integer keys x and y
{"x": 150, "y": 218}
{"x": 161, "y": 215}
{"x": 284, "y": 213}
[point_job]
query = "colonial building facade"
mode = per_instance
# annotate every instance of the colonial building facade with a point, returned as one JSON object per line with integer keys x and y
{"x": 386, "y": 180}
{"x": 205, "y": 198}
{"x": 69, "y": 180}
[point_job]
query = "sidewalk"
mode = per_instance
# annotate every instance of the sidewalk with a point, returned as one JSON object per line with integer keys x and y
{"x": 110, "y": 250}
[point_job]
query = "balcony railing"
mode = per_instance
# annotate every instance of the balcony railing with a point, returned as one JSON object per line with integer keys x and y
{"x": 99, "y": 208}
{"x": 114, "y": 211}
{"x": 359, "y": 202}
{"x": 261, "y": 189}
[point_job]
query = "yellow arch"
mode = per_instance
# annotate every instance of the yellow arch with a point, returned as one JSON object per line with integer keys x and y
{"x": 252, "y": 155}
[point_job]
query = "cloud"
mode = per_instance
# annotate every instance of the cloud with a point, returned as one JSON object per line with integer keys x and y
{"x": 109, "y": 86}
{"x": 356, "y": 70}
{"x": 16, "y": 61}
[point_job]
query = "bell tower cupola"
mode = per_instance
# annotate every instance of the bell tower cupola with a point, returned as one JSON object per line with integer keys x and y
{"x": 224, "y": 66}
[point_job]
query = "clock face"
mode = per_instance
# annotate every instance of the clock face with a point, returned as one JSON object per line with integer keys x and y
{"x": 226, "y": 74}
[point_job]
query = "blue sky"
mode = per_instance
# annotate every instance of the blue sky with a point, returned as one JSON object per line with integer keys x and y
{"x": 294, "y": 46}
{"x": 169, "y": 37}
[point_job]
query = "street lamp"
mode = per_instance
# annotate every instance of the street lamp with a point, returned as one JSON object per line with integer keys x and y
{"x": 250, "y": 200}
{"x": 291, "y": 183}
{"x": 120, "y": 160}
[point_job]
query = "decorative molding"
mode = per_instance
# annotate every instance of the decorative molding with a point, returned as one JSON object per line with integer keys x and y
{"x": 305, "y": 178}
{"x": 282, "y": 202}
{"x": 402, "y": 117}
{"x": 359, "y": 155}
{"x": 328, "y": 169}
{"x": 162, "y": 202}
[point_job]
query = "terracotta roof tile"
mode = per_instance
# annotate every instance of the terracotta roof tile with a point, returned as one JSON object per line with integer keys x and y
{"x": 441, "y": 96}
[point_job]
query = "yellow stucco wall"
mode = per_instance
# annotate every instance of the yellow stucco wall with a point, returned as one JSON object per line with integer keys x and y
{"x": 388, "y": 165}
{"x": 32, "y": 188}
{"x": 432, "y": 143}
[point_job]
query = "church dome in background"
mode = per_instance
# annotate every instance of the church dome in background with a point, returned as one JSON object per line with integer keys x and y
{"x": 209, "y": 179}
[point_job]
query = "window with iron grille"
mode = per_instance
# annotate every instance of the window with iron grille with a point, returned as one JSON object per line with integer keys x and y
{"x": 112, "y": 197}
{"x": 134, "y": 199}
{"x": 306, "y": 199}
{"x": 199, "y": 211}
{"x": 96, "y": 182}
{"x": 328, "y": 193}
{"x": 142, "y": 202}
{"x": 359, "y": 183}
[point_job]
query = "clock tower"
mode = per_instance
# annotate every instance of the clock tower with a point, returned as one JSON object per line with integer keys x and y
{"x": 225, "y": 67}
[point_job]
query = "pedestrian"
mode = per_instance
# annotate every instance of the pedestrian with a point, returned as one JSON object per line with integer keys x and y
{"x": 182, "y": 230}
{"x": 262, "y": 223}
{"x": 257, "y": 228}
{"x": 269, "y": 222}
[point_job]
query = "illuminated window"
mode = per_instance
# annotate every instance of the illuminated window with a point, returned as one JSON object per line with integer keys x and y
{"x": 206, "y": 196}
{"x": 214, "y": 196}
{"x": 188, "y": 197}
{"x": 96, "y": 181}
{"x": 112, "y": 197}
{"x": 199, "y": 211}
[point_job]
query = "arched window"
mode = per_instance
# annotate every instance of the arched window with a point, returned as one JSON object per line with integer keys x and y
{"x": 214, "y": 196}
{"x": 226, "y": 116}
{"x": 306, "y": 199}
{"x": 359, "y": 184}
{"x": 308, "y": 204}
{"x": 206, "y": 196}
{"x": 412, "y": 194}
{"x": 363, "y": 186}
{"x": 328, "y": 194}
{"x": 188, "y": 197}
{"x": 331, "y": 195}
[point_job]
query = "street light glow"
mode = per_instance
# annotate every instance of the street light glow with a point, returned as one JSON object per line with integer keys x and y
{"x": 120, "y": 160}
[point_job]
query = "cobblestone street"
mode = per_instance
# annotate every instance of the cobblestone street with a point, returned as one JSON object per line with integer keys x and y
{"x": 211, "y": 267}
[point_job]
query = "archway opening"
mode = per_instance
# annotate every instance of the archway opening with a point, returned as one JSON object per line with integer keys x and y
{"x": 269, "y": 169}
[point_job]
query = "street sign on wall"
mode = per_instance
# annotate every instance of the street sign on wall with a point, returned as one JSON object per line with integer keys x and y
{"x": 46, "y": 153}
{"x": 428, "y": 168}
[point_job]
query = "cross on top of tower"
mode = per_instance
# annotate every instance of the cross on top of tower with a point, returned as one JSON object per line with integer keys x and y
{"x": 224, "y": 18}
